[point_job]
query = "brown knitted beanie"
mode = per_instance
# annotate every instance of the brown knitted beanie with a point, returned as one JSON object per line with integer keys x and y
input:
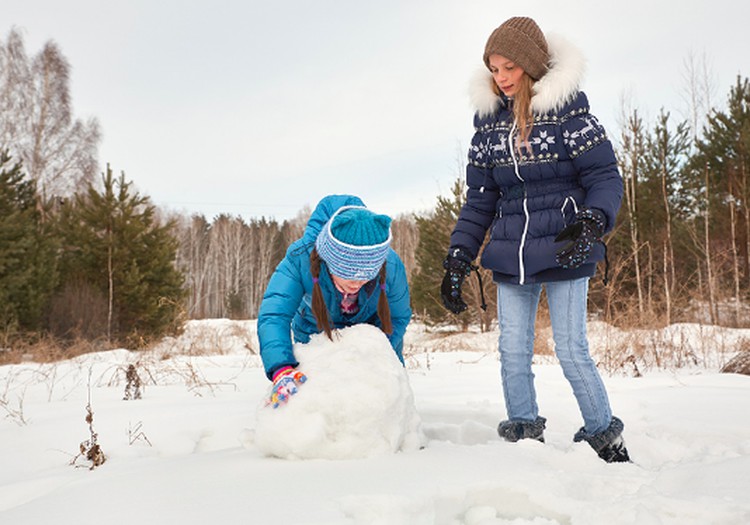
{"x": 519, "y": 39}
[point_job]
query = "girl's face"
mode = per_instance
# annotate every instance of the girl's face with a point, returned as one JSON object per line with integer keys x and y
{"x": 346, "y": 286}
{"x": 507, "y": 74}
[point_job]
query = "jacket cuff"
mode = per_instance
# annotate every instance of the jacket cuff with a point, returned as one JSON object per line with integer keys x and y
{"x": 460, "y": 253}
{"x": 280, "y": 371}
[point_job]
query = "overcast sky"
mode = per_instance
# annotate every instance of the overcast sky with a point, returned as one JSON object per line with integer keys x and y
{"x": 260, "y": 107}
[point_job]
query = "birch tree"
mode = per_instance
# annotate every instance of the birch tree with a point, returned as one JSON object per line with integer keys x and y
{"x": 632, "y": 152}
{"x": 58, "y": 151}
{"x": 666, "y": 156}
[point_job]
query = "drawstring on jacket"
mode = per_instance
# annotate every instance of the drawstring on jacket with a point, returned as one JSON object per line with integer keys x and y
{"x": 606, "y": 265}
{"x": 481, "y": 287}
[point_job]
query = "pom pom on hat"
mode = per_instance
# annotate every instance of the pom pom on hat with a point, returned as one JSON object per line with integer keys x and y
{"x": 354, "y": 243}
{"x": 520, "y": 40}
{"x": 361, "y": 227}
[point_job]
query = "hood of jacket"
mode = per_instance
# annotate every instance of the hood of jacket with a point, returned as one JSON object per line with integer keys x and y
{"x": 324, "y": 211}
{"x": 556, "y": 88}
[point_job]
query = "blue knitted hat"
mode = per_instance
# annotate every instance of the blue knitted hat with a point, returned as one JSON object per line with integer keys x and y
{"x": 354, "y": 243}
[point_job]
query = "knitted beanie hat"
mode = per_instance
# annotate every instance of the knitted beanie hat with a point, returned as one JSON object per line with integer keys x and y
{"x": 354, "y": 243}
{"x": 520, "y": 40}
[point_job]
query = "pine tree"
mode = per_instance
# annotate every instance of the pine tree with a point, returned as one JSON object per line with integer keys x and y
{"x": 663, "y": 206}
{"x": 722, "y": 163}
{"x": 434, "y": 239}
{"x": 115, "y": 244}
{"x": 725, "y": 148}
{"x": 27, "y": 251}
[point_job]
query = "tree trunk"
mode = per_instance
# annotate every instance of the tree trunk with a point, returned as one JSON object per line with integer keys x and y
{"x": 669, "y": 271}
{"x": 709, "y": 266}
{"x": 667, "y": 291}
{"x": 111, "y": 285}
{"x": 735, "y": 257}
{"x": 630, "y": 201}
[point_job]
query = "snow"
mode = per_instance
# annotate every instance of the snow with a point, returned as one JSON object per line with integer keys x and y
{"x": 191, "y": 450}
{"x": 356, "y": 404}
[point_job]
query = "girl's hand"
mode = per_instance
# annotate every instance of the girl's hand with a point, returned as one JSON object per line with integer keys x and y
{"x": 457, "y": 266}
{"x": 285, "y": 384}
{"x": 579, "y": 238}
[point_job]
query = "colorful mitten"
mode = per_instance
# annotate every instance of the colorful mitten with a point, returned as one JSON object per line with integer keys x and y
{"x": 286, "y": 381}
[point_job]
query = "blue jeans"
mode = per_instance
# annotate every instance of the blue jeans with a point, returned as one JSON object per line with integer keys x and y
{"x": 517, "y": 306}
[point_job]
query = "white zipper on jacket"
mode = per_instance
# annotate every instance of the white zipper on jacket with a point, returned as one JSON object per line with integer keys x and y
{"x": 521, "y": 268}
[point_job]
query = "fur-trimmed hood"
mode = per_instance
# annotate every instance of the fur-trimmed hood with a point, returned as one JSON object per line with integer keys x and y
{"x": 556, "y": 88}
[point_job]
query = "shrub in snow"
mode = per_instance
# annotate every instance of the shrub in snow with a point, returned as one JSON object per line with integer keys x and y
{"x": 90, "y": 448}
{"x": 357, "y": 402}
{"x": 133, "y": 386}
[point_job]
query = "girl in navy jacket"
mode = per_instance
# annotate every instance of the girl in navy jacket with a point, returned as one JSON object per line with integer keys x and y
{"x": 542, "y": 178}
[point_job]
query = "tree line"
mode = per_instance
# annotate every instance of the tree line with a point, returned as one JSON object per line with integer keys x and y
{"x": 86, "y": 256}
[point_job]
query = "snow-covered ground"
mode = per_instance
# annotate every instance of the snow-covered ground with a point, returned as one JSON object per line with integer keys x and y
{"x": 186, "y": 453}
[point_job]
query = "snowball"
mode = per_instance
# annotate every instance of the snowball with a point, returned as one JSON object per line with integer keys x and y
{"x": 356, "y": 402}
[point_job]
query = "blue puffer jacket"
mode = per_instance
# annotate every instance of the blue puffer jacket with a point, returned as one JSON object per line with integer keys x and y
{"x": 287, "y": 302}
{"x": 525, "y": 200}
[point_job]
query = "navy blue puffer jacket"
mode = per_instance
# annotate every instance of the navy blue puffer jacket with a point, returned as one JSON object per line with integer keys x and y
{"x": 525, "y": 200}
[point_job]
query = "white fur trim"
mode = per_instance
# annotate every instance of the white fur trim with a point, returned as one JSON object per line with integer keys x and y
{"x": 556, "y": 88}
{"x": 483, "y": 98}
{"x": 561, "y": 83}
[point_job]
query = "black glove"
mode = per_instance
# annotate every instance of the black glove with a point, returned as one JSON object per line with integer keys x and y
{"x": 580, "y": 236}
{"x": 457, "y": 266}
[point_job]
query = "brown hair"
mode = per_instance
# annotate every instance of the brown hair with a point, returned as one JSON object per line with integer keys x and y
{"x": 522, "y": 114}
{"x": 384, "y": 309}
{"x": 320, "y": 310}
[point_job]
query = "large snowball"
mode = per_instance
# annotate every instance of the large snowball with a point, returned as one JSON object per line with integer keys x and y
{"x": 356, "y": 402}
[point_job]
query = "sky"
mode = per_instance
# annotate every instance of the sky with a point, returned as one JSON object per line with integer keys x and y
{"x": 257, "y": 108}
{"x": 200, "y": 446}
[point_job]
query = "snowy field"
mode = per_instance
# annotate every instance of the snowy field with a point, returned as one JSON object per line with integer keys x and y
{"x": 197, "y": 448}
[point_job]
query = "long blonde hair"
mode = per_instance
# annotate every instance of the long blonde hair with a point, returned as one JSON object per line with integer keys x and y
{"x": 522, "y": 114}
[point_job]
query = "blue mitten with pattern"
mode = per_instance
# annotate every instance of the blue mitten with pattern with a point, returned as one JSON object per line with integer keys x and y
{"x": 579, "y": 238}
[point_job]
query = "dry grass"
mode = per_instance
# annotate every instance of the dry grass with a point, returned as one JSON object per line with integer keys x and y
{"x": 49, "y": 350}
{"x": 668, "y": 348}
{"x": 208, "y": 339}
{"x": 152, "y": 369}
{"x": 12, "y": 406}
{"x": 740, "y": 363}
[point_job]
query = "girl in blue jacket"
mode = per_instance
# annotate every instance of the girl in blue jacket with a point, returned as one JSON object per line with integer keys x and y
{"x": 342, "y": 272}
{"x": 543, "y": 179}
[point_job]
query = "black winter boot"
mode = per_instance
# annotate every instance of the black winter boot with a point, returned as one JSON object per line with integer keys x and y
{"x": 514, "y": 430}
{"x": 608, "y": 444}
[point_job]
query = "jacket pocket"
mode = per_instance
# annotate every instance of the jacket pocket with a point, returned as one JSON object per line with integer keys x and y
{"x": 496, "y": 220}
